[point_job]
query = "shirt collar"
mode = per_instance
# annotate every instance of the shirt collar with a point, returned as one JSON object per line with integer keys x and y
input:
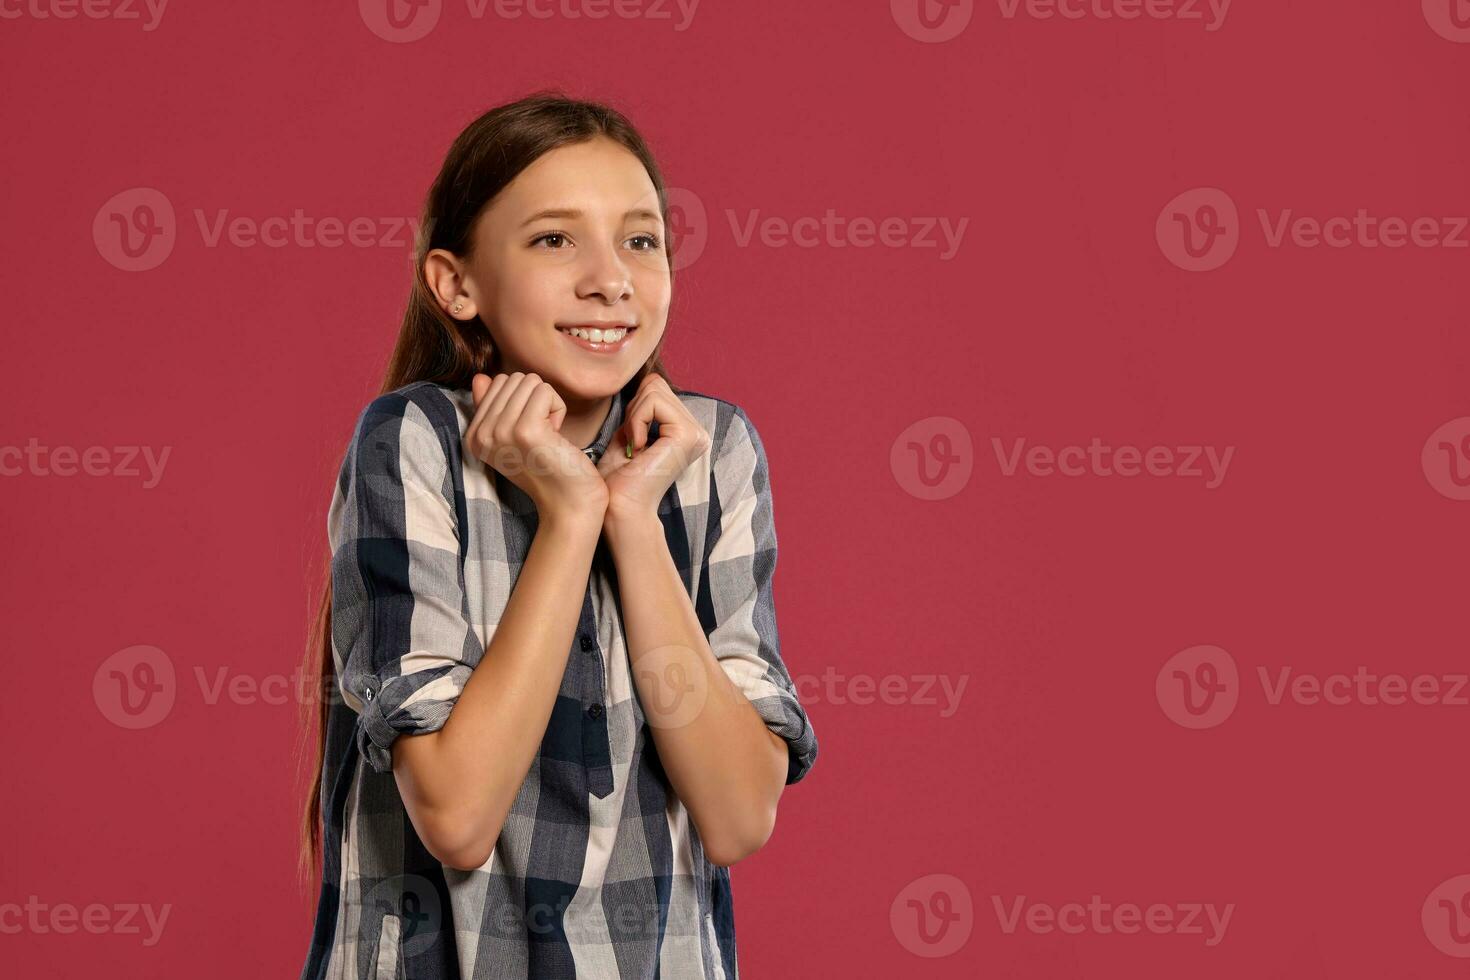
{"x": 598, "y": 446}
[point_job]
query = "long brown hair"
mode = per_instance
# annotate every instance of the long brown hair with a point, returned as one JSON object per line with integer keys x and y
{"x": 432, "y": 346}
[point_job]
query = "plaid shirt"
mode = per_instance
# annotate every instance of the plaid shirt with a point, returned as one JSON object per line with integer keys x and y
{"x": 598, "y": 871}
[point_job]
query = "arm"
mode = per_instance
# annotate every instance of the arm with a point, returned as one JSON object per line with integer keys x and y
{"x": 727, "y": 767}
{"x": 406, "y": 651}
{"x": 457, "y": 793}
{"x": 726, "y": 720}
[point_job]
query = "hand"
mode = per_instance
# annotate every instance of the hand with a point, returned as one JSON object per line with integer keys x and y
{"x": 516, "y": 430}
{"x": 635, "y": 486}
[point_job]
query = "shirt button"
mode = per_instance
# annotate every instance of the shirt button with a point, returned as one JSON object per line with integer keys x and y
{"x": 368, "y": 693}
{"x": 586, "y": 643}
{"x": 595, "y": 711}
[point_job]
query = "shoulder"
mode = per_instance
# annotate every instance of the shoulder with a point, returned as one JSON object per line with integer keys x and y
{"x": 417, "y": 426}
{"x": 730, "y": 428}
{"x": 426, "y": 404}
{"x": 736, "y": 462}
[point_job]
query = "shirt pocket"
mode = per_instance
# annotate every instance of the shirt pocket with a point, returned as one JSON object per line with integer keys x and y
{"x": 386, "y": 961}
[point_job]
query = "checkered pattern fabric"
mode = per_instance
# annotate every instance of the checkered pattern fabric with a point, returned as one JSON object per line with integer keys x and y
{"x": 598, "y": 871}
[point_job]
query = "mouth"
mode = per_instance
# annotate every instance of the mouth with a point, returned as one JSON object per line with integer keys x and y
{"x": 598, "y": 339}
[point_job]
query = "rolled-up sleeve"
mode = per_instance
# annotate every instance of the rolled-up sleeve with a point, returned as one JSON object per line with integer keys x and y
{"x": 739, "y": 572}
{"x": 402, "y": 641}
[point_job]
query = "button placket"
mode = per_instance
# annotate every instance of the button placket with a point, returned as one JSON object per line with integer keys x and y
{"x": 596, "y": 747}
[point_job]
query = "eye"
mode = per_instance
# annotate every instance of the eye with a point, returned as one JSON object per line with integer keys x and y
{"x": 653, "y": 244}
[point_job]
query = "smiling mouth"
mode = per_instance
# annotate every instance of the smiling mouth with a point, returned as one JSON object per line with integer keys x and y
{"x": 600, "y": 340}
{"x": 599, "y": 333}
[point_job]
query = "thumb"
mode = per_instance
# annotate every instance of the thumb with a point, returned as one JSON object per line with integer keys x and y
{"x": 479, "y": 384}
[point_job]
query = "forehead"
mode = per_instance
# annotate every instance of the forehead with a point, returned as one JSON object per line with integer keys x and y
{"x": 596, "y": 176}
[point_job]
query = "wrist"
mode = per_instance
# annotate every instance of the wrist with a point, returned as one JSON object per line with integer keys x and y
{"x": 578, "y": 523}
{"x": 626, "y": 525}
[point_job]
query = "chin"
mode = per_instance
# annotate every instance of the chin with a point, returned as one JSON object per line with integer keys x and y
{"x": 589, "y": 385}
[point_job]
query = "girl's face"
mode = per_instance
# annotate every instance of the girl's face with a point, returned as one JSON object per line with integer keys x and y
{"x": 600, "y": 258}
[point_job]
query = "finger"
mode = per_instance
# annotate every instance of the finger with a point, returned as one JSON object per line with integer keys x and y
{"x": 612, "y": 459}
{"x": 487, "y": 405}
{"x": 680, "y": 429}
{"x": 501, "y": 399}
{"x": 479, "y": 384}
{"x": 557, "y": 413}
{"x": 635, "y": 424}
{"x": 515, "y": 406}
{"x": 652, "y": 381}
{"x": 543, "y": 404}
{"x": 658, "y": 402}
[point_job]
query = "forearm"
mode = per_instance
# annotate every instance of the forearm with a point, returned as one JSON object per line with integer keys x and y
{"x": 466, "y": 775}
{"x": 724, "y": 763}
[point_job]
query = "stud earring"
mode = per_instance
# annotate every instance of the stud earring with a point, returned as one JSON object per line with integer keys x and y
{"x": 456, "y": 308}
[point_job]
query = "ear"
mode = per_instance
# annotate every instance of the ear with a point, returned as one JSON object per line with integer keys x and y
{"x": 445, "y": 275}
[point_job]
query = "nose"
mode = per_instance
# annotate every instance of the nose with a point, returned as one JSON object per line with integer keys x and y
{"x": 606, "y": 275}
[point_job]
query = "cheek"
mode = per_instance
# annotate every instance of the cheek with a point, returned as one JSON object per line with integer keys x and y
{"x": 529, "y": 301}
{"x": 650, "y": 270}
{"x": 653, "y": 290}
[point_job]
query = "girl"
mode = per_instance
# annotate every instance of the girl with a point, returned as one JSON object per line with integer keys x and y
{"x": 550, "y": 570}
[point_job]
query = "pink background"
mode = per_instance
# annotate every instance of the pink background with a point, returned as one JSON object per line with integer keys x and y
{"x": 1057, "y": 600}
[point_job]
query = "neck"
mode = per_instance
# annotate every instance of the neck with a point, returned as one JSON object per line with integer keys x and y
{"x": 584, "y": 419}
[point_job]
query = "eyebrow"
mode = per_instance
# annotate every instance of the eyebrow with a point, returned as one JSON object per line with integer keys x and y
{"x": 575, "y": 213}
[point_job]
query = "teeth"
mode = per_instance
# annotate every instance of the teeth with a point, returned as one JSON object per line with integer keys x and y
{"x": 597, "y": 335}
